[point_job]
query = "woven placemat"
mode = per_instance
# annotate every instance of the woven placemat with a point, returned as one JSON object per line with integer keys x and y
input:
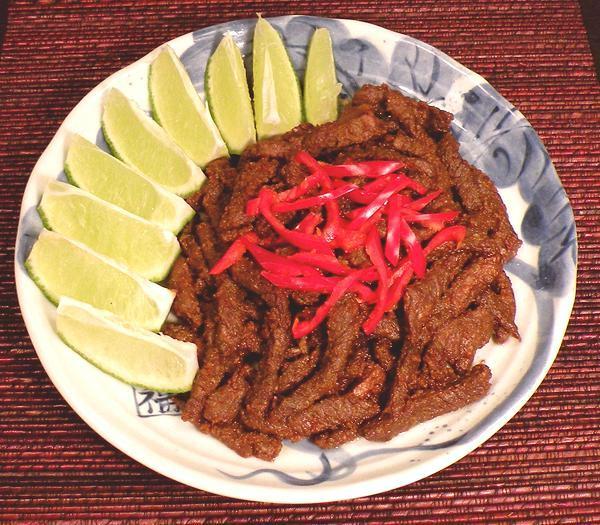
{"x": 542, "y": 467}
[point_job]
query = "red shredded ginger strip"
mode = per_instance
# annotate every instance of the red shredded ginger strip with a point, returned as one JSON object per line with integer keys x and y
{"x": 387, "y": 206}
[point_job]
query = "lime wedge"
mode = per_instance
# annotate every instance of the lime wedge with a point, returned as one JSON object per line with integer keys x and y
{"x": 93, "y": 170}
{"x": 141, "y": 246}
{"x": 177, "y": 107}
{"x": 228, "y": 96}
{"x": 135, "y": 356}
{"x": 321, "y": 88}
{"x": 277, "y": 100}
{"x": 140, "y": 142}
{"x": 61, "y": 267}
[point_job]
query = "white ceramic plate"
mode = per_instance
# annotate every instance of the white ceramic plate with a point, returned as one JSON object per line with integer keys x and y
{"x": 493, "y": 135}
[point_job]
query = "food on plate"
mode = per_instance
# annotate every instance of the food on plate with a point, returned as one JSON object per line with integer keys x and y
{"x": 321, "y": 88}
{"x": 177, "y": 107}
{"x": 133, "y": 355}
{"x": 277, "y": 98}
{"x": 228, "y": 96}
{"x": 140, "y": 142}
{"x": 106, "y": 177}
{"x": 141, "y": 246}
{"x": 402, "y": 246}
{"x": 65, "y": 268}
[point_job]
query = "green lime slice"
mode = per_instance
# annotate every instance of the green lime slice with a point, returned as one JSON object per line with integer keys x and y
{"x": 277, "y": 100}
{"x": 321, "y": 88}
{"x": 177, "y": 107}
{"x": 228, "y": 96}
{"x": 94, "y": 170}
{"x": 64, "y": 268}
{"x": 140, "y": 142}
{"x": 135, "y": 356}
{"x": 143, "y": 247}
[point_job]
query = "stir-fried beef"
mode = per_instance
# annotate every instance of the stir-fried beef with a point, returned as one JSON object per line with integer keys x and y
{"x": 277, "y": 325}
{"x": 450, "y": 353}
{"x": 245, "y": 442}
{"x": 185, "y": 305}
{"x": 252, "y": 177}
{"x": 221, "y": 176}
{"x": 224, "y": 404}
{"x": 428, "y": 404}
{"x": 256, "y": 385}
{"x": 501, "y": 301}
{"x": 294, "y": 372}
{"x": 342, "y": 331}
{"x": 335, "y": 438}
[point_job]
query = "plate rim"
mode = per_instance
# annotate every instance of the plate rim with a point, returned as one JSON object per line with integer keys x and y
{"x": 282, "y": 494}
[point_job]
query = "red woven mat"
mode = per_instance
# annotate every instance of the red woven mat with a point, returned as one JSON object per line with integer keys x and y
{"x": 542, "y": 467}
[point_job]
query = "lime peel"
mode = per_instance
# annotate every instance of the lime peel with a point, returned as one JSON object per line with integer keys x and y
{"x": 61, "y": 267}
{"x": 135, "y": 356}
{"x": 277, "y": 97}
{"x": 143, "y": 247}
{"x": 228, "y": 96}
{"x": 177, "y": 107}
{"x": 321, "y": 88}
{"x": 92, "y": 169}
{"x": 139, "y": 141}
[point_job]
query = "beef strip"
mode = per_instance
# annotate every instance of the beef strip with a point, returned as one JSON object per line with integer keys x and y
{"x": 335, "y": 438}
{"x": 221, "y": 175}
{"x": 235, "y": 335}
{"x": 432, "y": 403}
{"x": 356, "y": 366}
{"x": 282, "y": 147}
{"x": 388, "y": 327}
{"x": 382, "y": 352}
{"x": 356, "y": 124}
{"x": 404, "y": 380}
{"x": 446, "y": 292}
{"x": 466, "y": 288}
{"x": 224, "y": 404}
{"x": 181, "y": 332}
{"x": 208, "y": 376}
{"x": 294, "y": 372}
{"x": 423, "y": 296}
{"x": 185, "y": 305}
{"x": 293, "y": 173}
{"x": 244, "y": 442}
{"x": 195, "y": 200}
{"x": 488, "y": 227}
{"x": 195, "y": 260}
{"x": 246, "y": 273}
{"x": 278, "y": 326}
{"x": 414, "y": 147}
{"x": 415, "y": 116}
{"x": 500, "y": 299}
{"x": 248, "y": 182}
{"x": 346, "y": 410}
{"x": 450, "y": 353}
{"x": 343, "y": 327}
{"x": 208, "y": 242}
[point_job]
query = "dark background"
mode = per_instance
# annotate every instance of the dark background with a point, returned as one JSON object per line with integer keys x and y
{"x": 542, "y": 467}
{"x": 590, "y": 11}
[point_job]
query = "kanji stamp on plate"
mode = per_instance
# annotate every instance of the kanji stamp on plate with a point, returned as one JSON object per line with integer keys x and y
{"x": 149, "y": 403}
